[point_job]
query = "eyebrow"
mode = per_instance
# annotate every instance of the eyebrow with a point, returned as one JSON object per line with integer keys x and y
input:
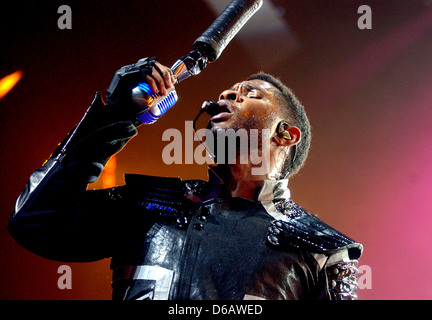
{"x": 249, "y": 86}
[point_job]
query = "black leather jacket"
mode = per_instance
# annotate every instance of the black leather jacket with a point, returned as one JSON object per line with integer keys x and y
{"x": 174, "y": 239}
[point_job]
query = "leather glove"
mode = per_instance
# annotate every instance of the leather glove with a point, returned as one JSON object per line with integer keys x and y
{"x": 119, "y": 93}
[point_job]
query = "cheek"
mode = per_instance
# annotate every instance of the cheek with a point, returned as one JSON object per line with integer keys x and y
{"x": 255, "y": 121}
{"x": 248, "y": 114}
{"x": 261, "y": 110}
{"x": 261, "y": 114}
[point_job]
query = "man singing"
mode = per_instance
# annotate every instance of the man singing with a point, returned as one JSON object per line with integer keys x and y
{"x": 236, "y": 236}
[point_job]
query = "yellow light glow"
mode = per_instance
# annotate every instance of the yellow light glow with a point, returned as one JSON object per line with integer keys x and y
{"x": 8, "y": 82}
{"x": 108, "y": 175}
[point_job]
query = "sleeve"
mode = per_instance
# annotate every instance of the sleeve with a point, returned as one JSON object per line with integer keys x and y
{"x": 342, "y": 280}
{"x": 55, "y": 216}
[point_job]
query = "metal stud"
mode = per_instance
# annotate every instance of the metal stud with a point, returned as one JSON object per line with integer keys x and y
{"x": 198, "y": 226}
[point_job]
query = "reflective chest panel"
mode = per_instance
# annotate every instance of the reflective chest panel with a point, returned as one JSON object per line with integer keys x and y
{"x": 221, "y": 254}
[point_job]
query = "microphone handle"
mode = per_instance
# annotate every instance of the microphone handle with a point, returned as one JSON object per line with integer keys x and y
{"x": 215, "y": 39}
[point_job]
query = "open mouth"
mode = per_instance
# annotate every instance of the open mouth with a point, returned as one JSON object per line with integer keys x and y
{"x": 223, "y": 111}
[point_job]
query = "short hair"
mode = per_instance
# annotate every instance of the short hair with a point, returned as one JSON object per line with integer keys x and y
{"x": 291, "y": 108}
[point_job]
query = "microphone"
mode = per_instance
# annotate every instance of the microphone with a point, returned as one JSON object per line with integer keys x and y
{"x": 210, "y": 107}
{"x": 206, "y": 48}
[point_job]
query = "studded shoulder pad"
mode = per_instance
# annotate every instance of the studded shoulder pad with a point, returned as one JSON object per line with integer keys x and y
{"x": 303, "y": 230}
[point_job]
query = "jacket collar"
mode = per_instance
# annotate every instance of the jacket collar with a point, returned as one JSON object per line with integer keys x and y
{"x": 271, "y": 190}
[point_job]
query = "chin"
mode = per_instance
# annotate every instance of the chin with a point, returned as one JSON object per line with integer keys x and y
{"x": 223, "y": 125}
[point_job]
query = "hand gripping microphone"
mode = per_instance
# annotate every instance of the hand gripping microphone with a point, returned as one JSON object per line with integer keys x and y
{"x": 207, "y": 48}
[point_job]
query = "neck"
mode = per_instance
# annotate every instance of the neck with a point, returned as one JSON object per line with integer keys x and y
{"x": 241, "y": 183}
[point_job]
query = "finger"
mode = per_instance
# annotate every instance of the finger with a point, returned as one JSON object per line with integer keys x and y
{"x": 160, "y": 83}
{"x": 153, "y": 86}
{"x": 166, "y": 74}
{"x": 173, "y": 77}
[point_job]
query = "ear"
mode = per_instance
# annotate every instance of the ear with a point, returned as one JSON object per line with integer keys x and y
{"x": 295, "y": 135}
{"x": 287, "y": 137}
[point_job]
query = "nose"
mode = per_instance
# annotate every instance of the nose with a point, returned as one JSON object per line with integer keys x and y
{"x": 230, "y": 95}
